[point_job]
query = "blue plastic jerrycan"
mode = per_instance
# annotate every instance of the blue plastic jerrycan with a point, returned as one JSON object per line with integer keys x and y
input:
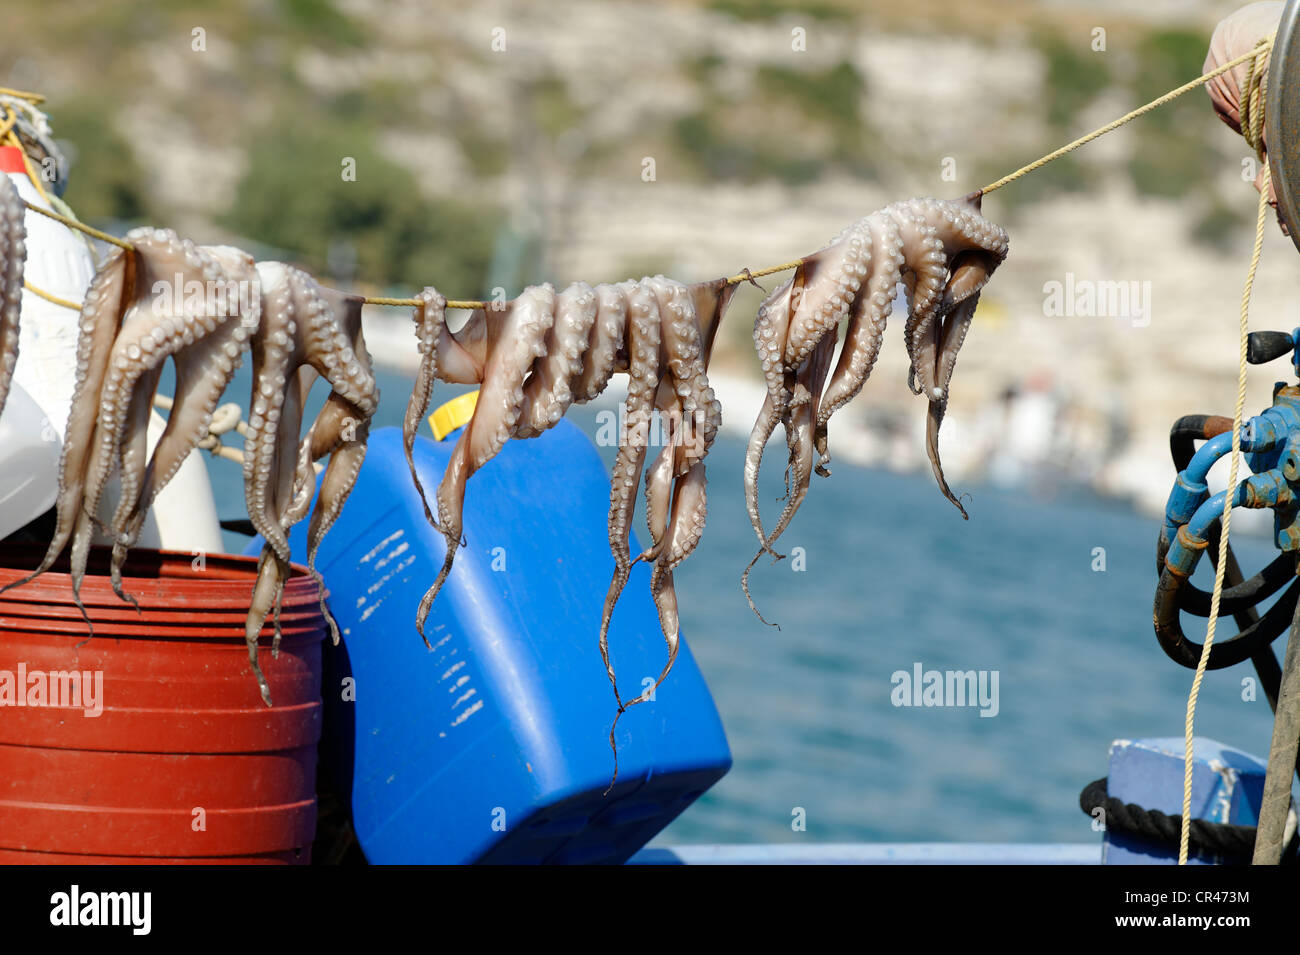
{"x": 493, "y": 746}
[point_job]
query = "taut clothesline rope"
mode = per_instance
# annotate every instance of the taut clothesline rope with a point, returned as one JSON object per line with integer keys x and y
{"x": 1262, "y": 47}
{"x": 747, "y": 274}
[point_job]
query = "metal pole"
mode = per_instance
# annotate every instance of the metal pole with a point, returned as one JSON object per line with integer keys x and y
{"x": 1282, "y": 118}
{"x": 1269, "y": 837}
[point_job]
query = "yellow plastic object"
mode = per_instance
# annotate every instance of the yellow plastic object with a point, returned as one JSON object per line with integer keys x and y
{"x": 454, "y": 414}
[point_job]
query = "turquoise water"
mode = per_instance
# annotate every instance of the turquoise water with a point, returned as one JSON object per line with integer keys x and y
{"x": 895, "y": 577}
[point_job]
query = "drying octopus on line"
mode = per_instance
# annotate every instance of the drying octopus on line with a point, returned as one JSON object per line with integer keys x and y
{"x": 13, "y": 260}
{"x": 544, "y": 351}
{"x": 142, "y": 309}
{"x": 533, "y": 358}
{"x": 942, "y": 252}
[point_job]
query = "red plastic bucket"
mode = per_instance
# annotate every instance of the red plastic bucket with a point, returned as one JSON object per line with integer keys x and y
{"x": 160, "y": 749}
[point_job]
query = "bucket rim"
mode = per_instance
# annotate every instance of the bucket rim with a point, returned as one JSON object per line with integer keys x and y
{"x": 221, "y": 581}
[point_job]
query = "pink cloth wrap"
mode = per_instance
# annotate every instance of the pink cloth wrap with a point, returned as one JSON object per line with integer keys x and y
{"x": 1234, "y": 36}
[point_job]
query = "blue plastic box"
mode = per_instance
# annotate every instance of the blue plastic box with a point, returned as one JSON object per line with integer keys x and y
{"x": 494, "y": 745}
{"x": 1227, "y": 787}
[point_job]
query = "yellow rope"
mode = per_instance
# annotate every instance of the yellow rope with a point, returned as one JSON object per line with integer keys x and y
{"x": 415, "y": 302}
{"x": 81, "y": 227}
{"x": 745, "y": 276}
{"x": 11, "y": 137}
{"x": 1250, "y": 110}
{"x": 49, "y": 297}
{"x": 34, "y": 98}
{"x": 1204, "y": 78}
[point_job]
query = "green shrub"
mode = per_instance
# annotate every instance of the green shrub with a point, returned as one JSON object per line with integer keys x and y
{"x": 294, "y": 197}
{"x": 105, "y": 181}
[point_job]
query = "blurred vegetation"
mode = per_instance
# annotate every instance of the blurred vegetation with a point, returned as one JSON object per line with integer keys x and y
{"x": 321, "y": 20}
{"x": 1221, "y": 225}
{"x": 765, "y": 10}
{"x": 790, "y": 120}
{"x": 105, "y": 181}
{"x": 1075, "y": 76}
{"x": 817, "y": 115}
{"x": 1170, "y": 157}
{"x": 294, "y": 196}
{"x": 1069, "y": 175}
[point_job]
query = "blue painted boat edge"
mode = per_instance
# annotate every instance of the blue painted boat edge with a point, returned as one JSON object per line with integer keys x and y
{"x": 874, "y": 853}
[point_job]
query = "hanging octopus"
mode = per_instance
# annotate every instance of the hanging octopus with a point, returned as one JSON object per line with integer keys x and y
{"x": 545, "y": 351}
{"x": 127, "y": 331}
{"x": 13, "y": 258}
{"x": 201, "y": 306}
{"x": 533, "y": 357}
{"x": 943, "y": 253}
{"x": 306, "y": 330}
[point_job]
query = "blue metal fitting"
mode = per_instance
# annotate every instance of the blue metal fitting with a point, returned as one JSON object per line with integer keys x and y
{"x": 1190, "y": 490}
{"x": 1264, "y": 435}
{"x": 1269, "y": 489}
{"x": 1185, "y": 497}
{"x": 1271, "y": 444}
{"x": 1185, "y": 551}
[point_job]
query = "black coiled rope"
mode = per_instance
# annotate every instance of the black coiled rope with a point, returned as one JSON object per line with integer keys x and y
{"x": 1232, "y": 843}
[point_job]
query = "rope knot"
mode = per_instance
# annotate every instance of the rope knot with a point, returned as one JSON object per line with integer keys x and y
{"x": 1250, "y": 108}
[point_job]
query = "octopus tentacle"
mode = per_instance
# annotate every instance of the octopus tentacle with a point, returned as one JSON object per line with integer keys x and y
{"x": 521, "y": 340}
{"x": 963, "y": 233}
{"x": 925, "y": 269}
{"x": 799, "y": 422}
{"x": 688, "y": 319}
{"x": 643, "y": 337}
{"x": 683, "y": 534}
{"x": 771, "y": 328}
{"x": 659, "y": 490}
{"x": 13, "y": 259}
{"x": 604, "y": 343}
{"x": 333, "y": 343}
{"x": 100, "y": 319}
{"x": 690, "y": 507}
{"x": 430, "y": 323}
{"x": 833, "y": 277}
{"x": 336, "y": 485}
{"x": 548, "y": 393}
{"x": 345, "y": 428}
{"x": 866, "y": 330}
{"x": 277, "y": 352}
{"x": 282, "y": 485}
{"x": 203, "y": 370}
{"x": 955, "y": 330}
{"x": 960, "y": 300}
{"x": 800, "y": 429}
{"x": 312, "y": 447}
{"x": 131, "y": 466}
{"x": 698, "y": 410}
{"x": 272, "y": 572}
